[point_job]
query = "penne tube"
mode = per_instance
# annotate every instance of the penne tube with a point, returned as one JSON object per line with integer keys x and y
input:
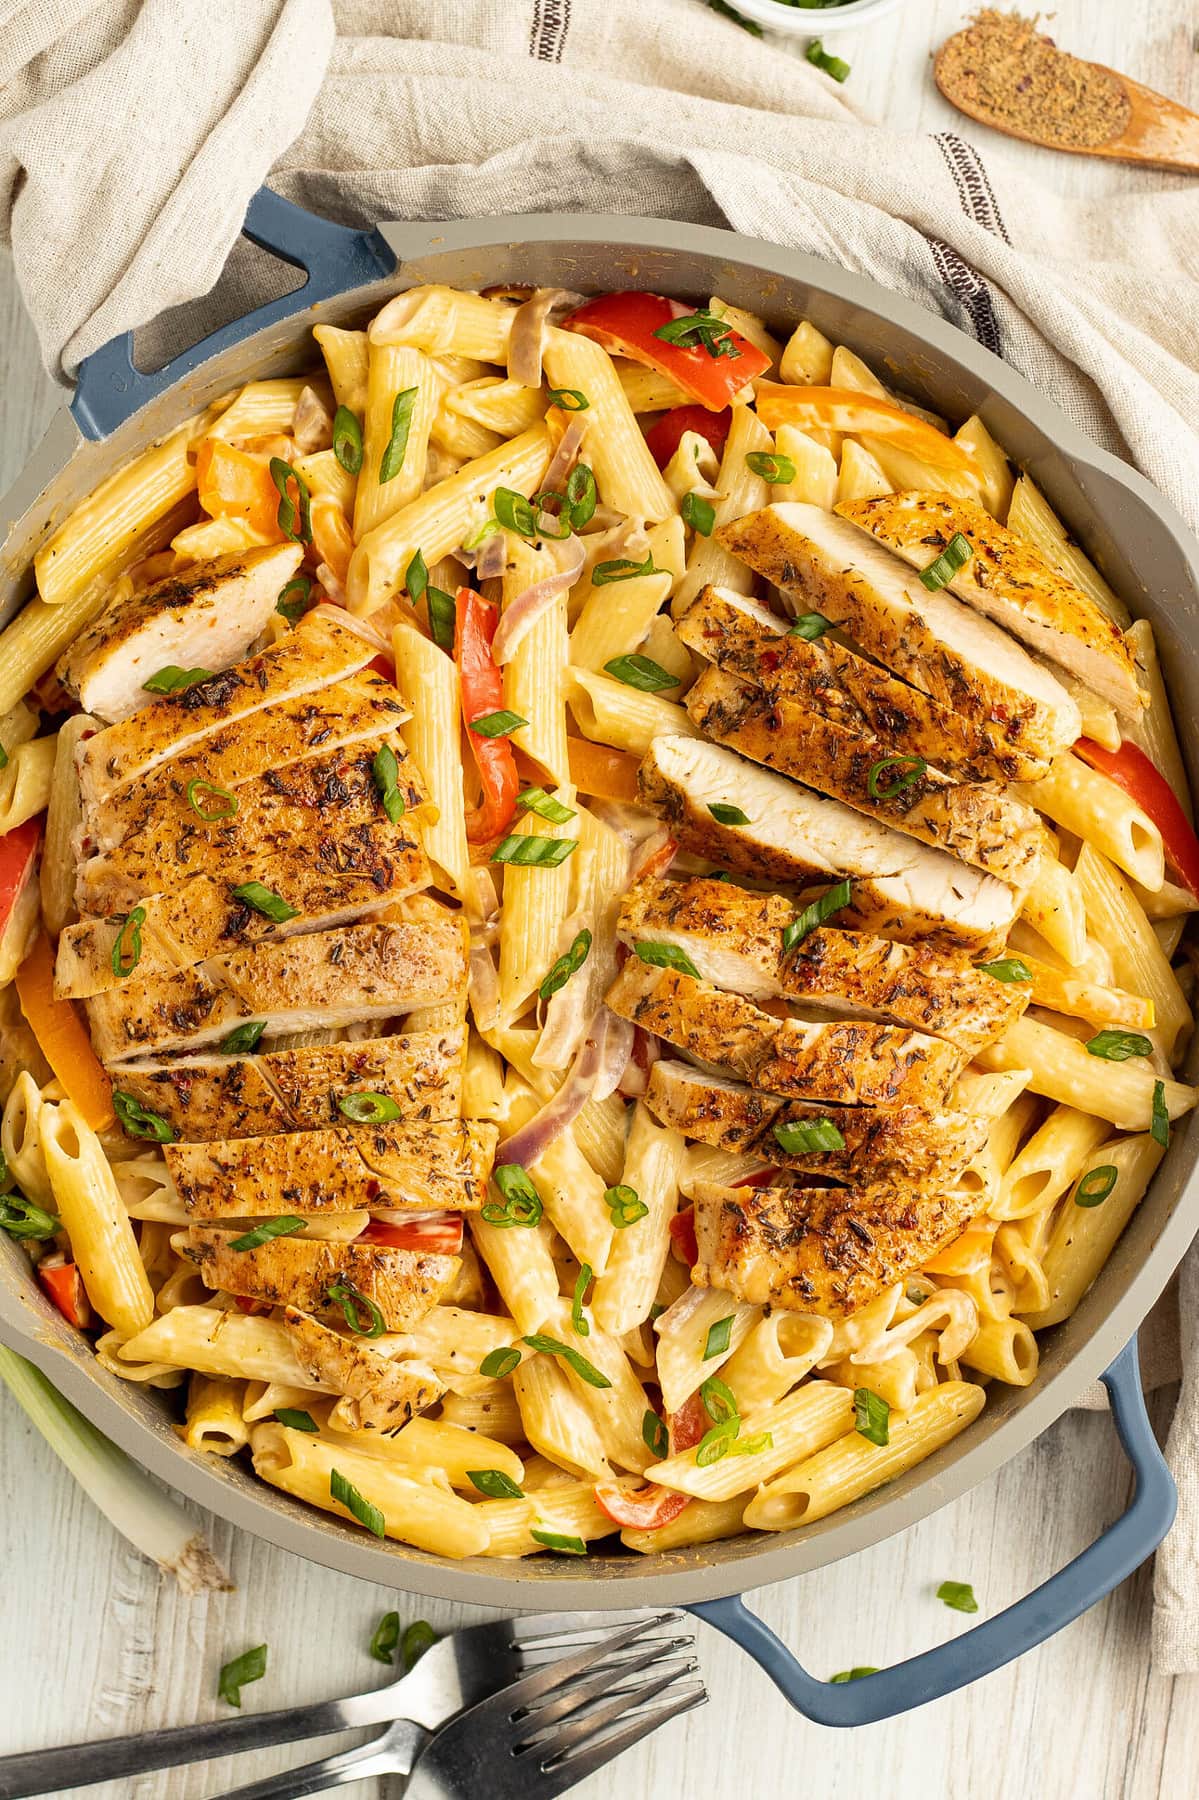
{"x": 1053, "y": 906}
{"x": 617, "y": 1410}
{"x": 216, "y": 537}
{"x": 807, "y": 357}
{"x": 1083, "y": 1237}
{"x": 265, "y": 408}
{"x": 325, "y": 476}
{"x": 700, "y": 1522}
{"x": 1031, "y": 517}
{"x": 260, "y": 1399}
{"x": 1063, "y": 1070}
{"x": 64, "y": 816}
{"x": 1118, "y": 924}
{"x": 435, "y": 1444}
{"x": 1041, "y": 1171}
{"x": 88, "y": 1202}
{"x": 536, "y": 902}
{"x": 492, "y": 1410}
{"x": 556, "y": 1421}
{"x": 686, "y": 1355}
{"x": 347, "y": 358}
{"x": 1004, "y": 1349}
{"x": 860, "y": 476}
{"x": 566, "y": 1510}
{"x": 400, "y": 384}
{"x": 752, "y": 329}
{"x": 741, "y": 492}
{"x": 1168, "y": 902}
{"x": 624, "y": 1293}
{"x": 453, "y": 1341}
{"x": 25, "y": 782}
{"x": 461, "y": 438}
{"x": 573, "y": 1196}
{"x": 625, "y": 473}
{"x": 498, "y": 404}
{"x": 1100, "y": 1006}
{"x": 989, "y": 459}
{"x": 428, "y": 680}
{"x": 609, "y": 712}
{"x": 1153, "y": 727}
{"x": 483, "y": 1082}
{"x": 214, "y": 1418}
{"x": 521, "y": 1264}
{"x": 446, "y": 322}
{"x": 815, "y": 478}
{"x": 853, "y": 1466}
{"x": 21, "y": 1141}
{"x": 897, "y": 1380}
{"x": 1089, "y": 804}
{"x": 535, "y": 673}
{"x": 813, "y": 1416}
{"x": 615, "y": 619}
{"x": 781, "y": 1349}
{"x": 236, "y": 1345}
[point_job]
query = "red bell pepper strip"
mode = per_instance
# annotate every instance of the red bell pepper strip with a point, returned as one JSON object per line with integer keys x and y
{"x": 251, "y": 1308}
{"x": 688, "y": 1424}
{"x": 435, "y": 1234}
{"x": 1132, "y": 770}
{"x": 482, "y": 693}
{"x": 665, "y": 437}
{"x": 625, "y": 325}
{"x": 639, "y": 1509}
{"x": 682, "y": 1236}
{"x": 64, "y": 1284}
{"x": 18, "y": 859}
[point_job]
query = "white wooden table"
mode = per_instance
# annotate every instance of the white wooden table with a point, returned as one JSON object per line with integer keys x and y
{"x": 95, "y": 1644}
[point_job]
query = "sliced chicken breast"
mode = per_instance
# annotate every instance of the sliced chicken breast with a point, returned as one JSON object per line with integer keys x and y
{"x": 977, "y": 821}
{"x": 378, "y": 1393}
{"x": 734, "y": 938}
{"x": 839, "y": 1060}
{"x": 818, "y": 1250}
{"x": 362, "y": 706}
{"x": 319, "y": 652}
{"x": 299, "y": 1272}
{"x": 933, "y": 640}
{"x": 900, "y": 888}
{"x": 393, "y": 1166}
{"x": 898, "y": 1145}
{"x": 205, "y": 617}
{"x": 825, "y": 676}
{"x": 327, "y": 978}
{"x": 208, "y": 1097}
{"x": 310, "y": 810}
{"x": 1008, "y": 580}
{"x": 353, "y": 876}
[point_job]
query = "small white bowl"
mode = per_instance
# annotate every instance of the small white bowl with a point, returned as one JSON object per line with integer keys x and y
{"x": 813, "y": 21}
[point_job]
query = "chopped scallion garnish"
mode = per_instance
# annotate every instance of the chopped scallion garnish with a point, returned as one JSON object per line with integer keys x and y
{"x": 173, "y": 680}
{"x": 497, "y": 724}
{"x": 1119, "y": 1046}
{"x": 941, "y": 571}
{"x": 127, "y": 950}
{"x": 1096, "y": 1185}
{"x": 367, "y": 1108}
{"x": 296, "y": 1419}
{"x": 495, "y": 1484}
{"x": 959, "y": 1595}
{"x": 1006, "y": 968}
{"x": 777, "y": 470}
{"x": 699, "y": 513}
{"x": 727, "y": 815}
{"x": 139, "y": 1121}
{"x": 533, "y": 852}
{"x": 294, "y": 524}
{"x": 498, "y": 1363}
{"x": 284, "y": 1226}
{"x": 871, "y": 1416}
{"x": 625, "y": 1206}
{"x": 361, "y": 1314}
{"x": 799, "y": 1137}
{"x": 834, "y": 901}
{"x": 359, "y": 1507}
{"x": 265, "y": 901}
{"x": 521, "y": 1203}
{"x": 583, "y": 1281}
{"x": 416, "y": 577}
{"x": 567, "y": 965}
{"x": 569, "y": 399}
{"x": 1159, "y": 1124}
{"x": 441, "y": 617}
{"x": 621, "y": 570}
{"x": 386, "y": 772}
{"x": 665, "y": 956}
{"x": 514, "y": 512}
{"x": 641, "y": 672}
{"x": 810, "y": 626}
{"x": 910, "y": 769}
{"x": 718, "y": 1338}
{"x": 536, "y": 800}
{"x": 556, "y": 1540}
{"x": 402, "y": 408}
{"x": 549, "y": 1346}
{"x": 656, "y": 1436}
{"x": 347, "y": 440}
{"x": 226, "y": 803}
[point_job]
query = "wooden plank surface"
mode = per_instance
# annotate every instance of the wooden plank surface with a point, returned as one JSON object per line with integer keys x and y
{"x": 97, "y": 1645}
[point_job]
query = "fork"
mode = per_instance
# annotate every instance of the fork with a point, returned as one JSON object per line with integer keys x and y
{"x": 456, "y": 1672}
{"x": 535, "y": 1738}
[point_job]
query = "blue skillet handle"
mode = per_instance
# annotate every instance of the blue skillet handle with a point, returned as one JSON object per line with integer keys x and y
{"x": 1058, "y": 1601}
{"x": 110, "y": 388}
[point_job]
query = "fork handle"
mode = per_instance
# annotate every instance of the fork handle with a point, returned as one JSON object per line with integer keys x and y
{"x": 77, "y": 1765}
{"x": 335, "y": 1771}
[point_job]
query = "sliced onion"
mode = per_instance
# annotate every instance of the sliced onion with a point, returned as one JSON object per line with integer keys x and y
{"x": 647, "y": 1050}
{"x": 563, "y": 1108}
{"x": 526, "y": 341}
{"x": 333, "y": 587}
{"x": 370, "y": 634}
{"x": 617, "y": 1052}
{"x": 312, "y": 428}
{"x": 652, "y": 856}
{"x": 521, "y": 614}
{"x": 483, "y": 986}
{"x": 565, "y": 456}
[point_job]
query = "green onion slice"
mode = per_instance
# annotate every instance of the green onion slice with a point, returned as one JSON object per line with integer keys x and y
{"x": 665, "y": 956}
{"x": 20, "y": 1218}
{"x": 941, "y": 571}
{"x": 521, "y": 1204}
{"x": 836, "y": 66}
{"x": 558, "y": 513}
{"x": 296, "y": 1419}
{"x": 621, "y": 570}
{"x": 549, "y": 1346}
{"x": 1119, "y": 1046}
{"x": 514, "y": 512}
{"x": 717, "y": 1340}
{"x": 1159, "y": 1125}
{"x": 127, "y": 950}
{"x": 715, "y": 1443}
{"x": 1096, "y": 1185}
{"x": 386, "y": 772}
{"x": 498, "y": 1363}
{"x": 361, "y": 1314}
{"x": 402, "y": 408}
{"x": 959, "y": 1595}
{"x": 362, "y": 1509}
{"x": 534, "y": 852}
{"x": 385, "y": 1640}
{"x": 196, "y": 790}
{"x": 569, "y": 399}
{"x": 495, "y": 1484}
{"x": 858, "y": 1674}
{"x": 771, "y": 467}
{"x": 249, "y": 1666}
{"x": 293, "y": 610}
{"x": 752, "y": 1446}
{"x": 583, "y": 1281}
{"x": 347, "y": 440}
{"x": 641, "y": 672}
{"x": 419, "y": 1637}
{"x": 497, "y": 724}
{"x": 441, "y": 616}
{"x": 581, "y": 495}
{"x": 3, "y": 757}
{"x": 871, "y": 1416}
{"x": 555, "y": 1540}
{"x": 367, "y": 1108}
{"x": 1006, "y": 968}
{"x": 656, "y": 1436}
{"x": 481, "y": 533}
{"x": 699, "y": 513}
{"x": 799, "y": 1137}
{"x": 624, "y": 1205}
{"x": 910, "y": 770}
{"x": 265, "y": 901}
{"x": 173, "y": 679}
{"x": 567, "y": 965}
{"x": 810, "y": 626}
{"x": 536, "y": 800}
{"x": 834, "y": 901}
{"x": 284, "y": 1226}
{"x": 728, "y": 815}
{"x": 295, "y": 525}
{"x": 416, "y": 577}
{"x": 139, "y": 1121}
{"x": 720, "y": 1402}
{"x": 701, "y": 330}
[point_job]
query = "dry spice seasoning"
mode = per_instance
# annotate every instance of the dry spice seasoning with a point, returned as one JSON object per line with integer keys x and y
{"x": 1008, "y": 73}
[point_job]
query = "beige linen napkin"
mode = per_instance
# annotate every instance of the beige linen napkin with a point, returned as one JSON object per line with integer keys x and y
{"x": 133, "y": 135}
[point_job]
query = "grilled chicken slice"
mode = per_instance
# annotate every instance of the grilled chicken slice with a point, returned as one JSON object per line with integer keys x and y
{"x": 326, "y": 978}
{"x": 378, "y": 1393}
{"x": 1008, "y": 580}
{"x": 965, "y": 661}
{"x": 735, "y": 939}
{"x": 977, "y": 821}
{"x": 298, "y": 1272}
{"x": 818, "y": 1250}
{"x": 840, "y": 1060}
{"x": 205, "y": 1098}
{"x": 431, "y": 1168}
{"x": 310, "y": 811}
{"x": 362, "y": 706}
{"x": 825, "y": 676}
{"x": 205, "y": 617}
{"x": 901, "y": 888}
{"x": 319, "y": 652}
{"x": 897, "y": 1145}
{"x": 341, "y": 880}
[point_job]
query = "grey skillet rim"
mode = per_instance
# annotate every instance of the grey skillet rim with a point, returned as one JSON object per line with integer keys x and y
{"x": 1118, "y": 517}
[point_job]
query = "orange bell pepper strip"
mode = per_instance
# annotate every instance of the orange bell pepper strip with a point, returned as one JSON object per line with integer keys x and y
{"x": 604, "y": 773}
{"x": 62, "y": 1036}
{"x": 628, "y": 324}
{"x": 331, "y": 535}
{"x": 1132, "y": 770}
{"x": 845, "y": 409}
{"x": 233, "y": 485}
{"x": 482, "y": 688}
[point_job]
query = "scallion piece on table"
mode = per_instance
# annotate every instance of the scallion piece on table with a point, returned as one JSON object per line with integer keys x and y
{"x": 249, "y": 1666}
{"x": 959, "y": 1595}
{"x": 385, "y": 1640}
{"x": 858, "y": 1674}
{"x": 418, "y": 1637}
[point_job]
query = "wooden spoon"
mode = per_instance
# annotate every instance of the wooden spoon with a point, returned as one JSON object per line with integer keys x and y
{"x": 1158, "y": 131}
